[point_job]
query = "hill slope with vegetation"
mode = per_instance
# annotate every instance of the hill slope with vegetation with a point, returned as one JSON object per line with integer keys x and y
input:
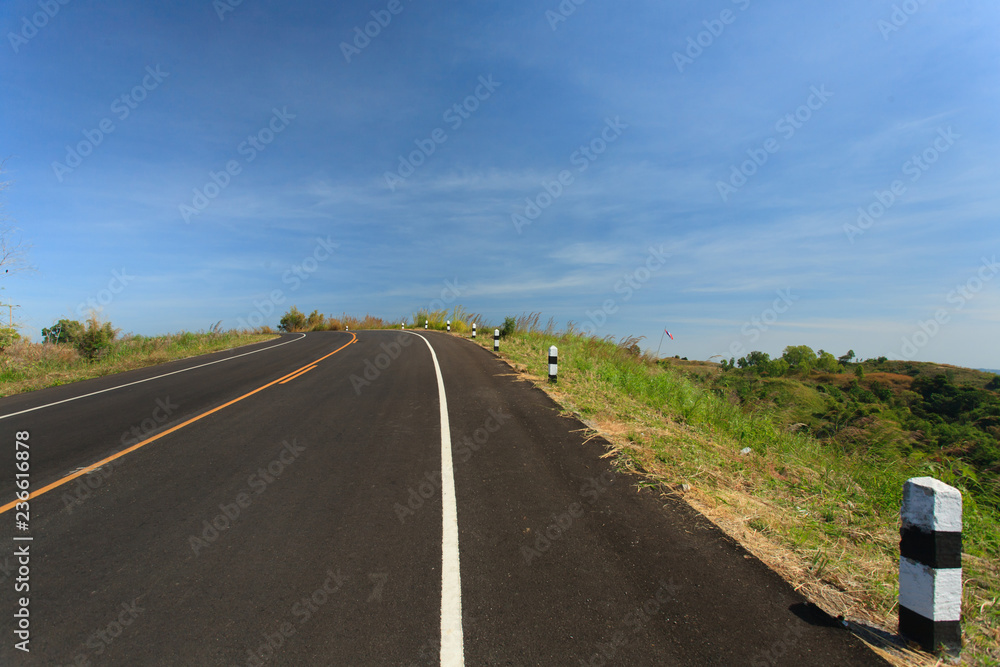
{"x": 801, "y": 460}
{"x": 942, "y": 418}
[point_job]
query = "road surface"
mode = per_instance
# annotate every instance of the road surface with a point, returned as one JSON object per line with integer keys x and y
{"x": 243, "y": 514}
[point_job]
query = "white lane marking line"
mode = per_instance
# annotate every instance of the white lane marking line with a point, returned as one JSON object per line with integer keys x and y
{"x": 452, "y": 647}
{"x": 121, "y": 386}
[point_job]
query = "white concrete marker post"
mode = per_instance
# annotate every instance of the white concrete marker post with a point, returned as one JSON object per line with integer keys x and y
{"x": 449, "y": 325}
{"x": 473, "y": 329}
{"x": 930, "y": 565}
{"x": 425, "y": 324}
{"x": 553, "y": 363}
{"x": 496, "y": 340}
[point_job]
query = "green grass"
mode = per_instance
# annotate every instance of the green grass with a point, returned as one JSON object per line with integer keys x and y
{"x": 27, "y": 366}
{"x": 825, "y": 516}
{"x": 461, "y": 320}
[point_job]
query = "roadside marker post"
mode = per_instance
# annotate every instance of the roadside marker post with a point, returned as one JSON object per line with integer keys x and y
{"x": 553, "y": 363}
{"x": 449, "y": 325}
{"x": 496, "y": 340}
{"x": 473, "y": 329}
{"x": 930, "y": 565}
{"x": 425, "y": 324}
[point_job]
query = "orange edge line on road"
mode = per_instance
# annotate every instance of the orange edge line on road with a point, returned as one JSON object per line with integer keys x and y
{"x": 83, "y": 471}
{"x": 298, "y": 374}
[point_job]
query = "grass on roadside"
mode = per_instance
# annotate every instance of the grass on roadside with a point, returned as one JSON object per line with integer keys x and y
{"x": 825, "y": 518}
{"x": 27, "y": 366}
{"x": 460, "y": 318}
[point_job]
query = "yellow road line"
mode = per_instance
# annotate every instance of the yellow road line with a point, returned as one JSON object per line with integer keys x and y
{"x": 298, "y": 374}
{"x": 83, "y": 471}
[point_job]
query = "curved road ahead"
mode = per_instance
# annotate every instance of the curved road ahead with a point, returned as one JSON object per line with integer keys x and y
{"x": 308, "y": 501}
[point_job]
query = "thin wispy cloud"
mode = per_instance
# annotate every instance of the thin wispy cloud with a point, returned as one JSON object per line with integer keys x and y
{"x": 417, "y": 171}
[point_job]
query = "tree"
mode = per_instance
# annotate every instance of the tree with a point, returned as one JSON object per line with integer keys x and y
{"x": 755, "y": 359}
{"x": 799, "y": 357}
{"x": 827, "y": 362}
{"x": 994, "y": 383}
{"x": 63, "y": 331}
{"x": 846, "y": 359}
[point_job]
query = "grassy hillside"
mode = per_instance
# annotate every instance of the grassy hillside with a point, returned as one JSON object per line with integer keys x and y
{"x": 943, "y": 418}
{"x": 806, "y": 470}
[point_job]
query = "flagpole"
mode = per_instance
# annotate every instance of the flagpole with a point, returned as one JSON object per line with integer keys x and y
{"x": 661, "y": 344}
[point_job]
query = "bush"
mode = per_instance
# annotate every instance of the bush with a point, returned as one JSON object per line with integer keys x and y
{"x": 881, "y": 391}
{"x": 776, "y": 368}
{"x": 827, "y": 362}
{"x": 316, "y": 321}
{"x": 8, "y": 336}
{"x": 91, "y": 341}
{"x": 63, "y": 331}
{"x": 293, "y": 320}
{"x": 509, "y": 327}
{"x": 96, "y": 338}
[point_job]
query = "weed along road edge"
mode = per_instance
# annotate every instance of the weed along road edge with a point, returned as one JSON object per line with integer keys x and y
{"x": 440, "y": 511}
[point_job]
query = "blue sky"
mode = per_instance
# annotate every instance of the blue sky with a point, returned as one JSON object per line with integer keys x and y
{"x": 627, "y": 166}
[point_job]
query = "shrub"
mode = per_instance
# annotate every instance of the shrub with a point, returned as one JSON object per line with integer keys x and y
{"x": 96, "y": 338}
{"x": 316, "y": 321}
{"x": 8, "y": 336}
{"x": 827, "y": 362}
{"x": 91, "y": 340}
{"x": 293, "y": 320}
{"x": 509, "y": 327}
{"x": 63, "y": 331}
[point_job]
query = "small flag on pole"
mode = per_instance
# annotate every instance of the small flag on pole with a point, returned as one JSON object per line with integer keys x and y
{"x": 661, "y": 342}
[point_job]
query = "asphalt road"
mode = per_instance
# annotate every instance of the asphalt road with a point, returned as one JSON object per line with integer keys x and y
{"x": 315, "y": 521}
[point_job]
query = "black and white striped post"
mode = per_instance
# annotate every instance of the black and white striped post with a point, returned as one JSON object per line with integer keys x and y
{"x": 496, "y": 340}
{"x": 930, "y": 565}
{"x": 473, "y": 329}
{"x": 425, "y": 324}
{"x": 553, "y": 363}
{"x": 449, "y": 325}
